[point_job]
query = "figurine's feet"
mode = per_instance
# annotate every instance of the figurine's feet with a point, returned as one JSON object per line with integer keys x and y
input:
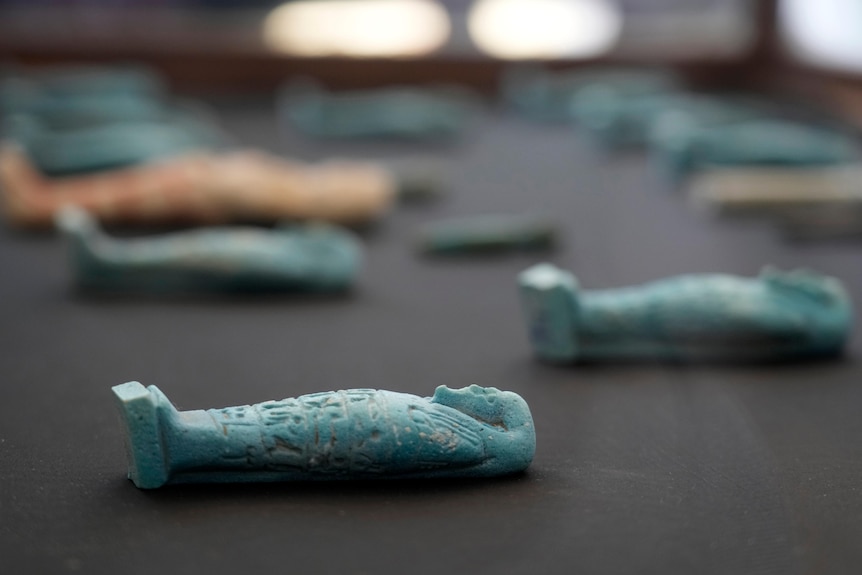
{"x": 139, "y": 410}
{"x": 550, "y": 299}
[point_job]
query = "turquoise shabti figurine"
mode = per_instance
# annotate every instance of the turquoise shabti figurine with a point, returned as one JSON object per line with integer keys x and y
{"x": 679, "y": 152}
{"x": 351, "y": 434}
{"x": 312, "y": 258}
{"x": 775, "y": 316}
{"x": 402, "y": 113}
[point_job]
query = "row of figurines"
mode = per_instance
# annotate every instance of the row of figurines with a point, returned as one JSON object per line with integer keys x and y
{"x": 113, "y": 141}
{"x": 481, "y": 432}
{"x": 214, "y": 188}
{"x": 733, "y": 153}
{"x": 749, "y": 154}
{"x": 683, "y": 130}
{"x": 777, "y": 315}
{"x": 475, "y": 431}
{"x": 81, "y": 119}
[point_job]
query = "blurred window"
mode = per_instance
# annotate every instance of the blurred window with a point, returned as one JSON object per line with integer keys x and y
{"x": 825, "y": 33}
{"x": 520, "y": 29}
{"x": 359, "y": 28}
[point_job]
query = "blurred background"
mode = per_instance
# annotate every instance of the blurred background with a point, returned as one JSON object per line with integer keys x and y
{"x": 807, "y": 48}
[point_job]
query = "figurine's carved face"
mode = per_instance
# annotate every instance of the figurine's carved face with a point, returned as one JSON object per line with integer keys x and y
{"x": 501, "y": 409}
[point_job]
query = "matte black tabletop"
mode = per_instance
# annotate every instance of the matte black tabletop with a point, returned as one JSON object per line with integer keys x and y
{"x": 640, "y": 468}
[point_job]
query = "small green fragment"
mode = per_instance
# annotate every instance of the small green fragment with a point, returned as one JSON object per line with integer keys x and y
{"x": 487, "y": 233}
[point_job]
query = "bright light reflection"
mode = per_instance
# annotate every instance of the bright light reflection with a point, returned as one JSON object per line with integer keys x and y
{"x": 360, "y": 28}
{"x": 521, "y": 29}
{"x": 826, "y": 32}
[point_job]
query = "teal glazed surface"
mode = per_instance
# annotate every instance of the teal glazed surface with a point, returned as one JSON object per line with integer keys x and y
{"x": 314, "y": 258}
{"x": 487, "y": 233}
{"x": 406, "y": 113}
{"x": 69, "y": 81}
{"x": 765, "y": 142}
{"x": 84, "y": 96}
{"x": 84, "y": 110}
{"x": 352, "y": 434}
{"x": 620, "y": 120}
{"x": 565, "y": 96}
{"x": 775, "y": 316}
{"x": 107, "y": 145}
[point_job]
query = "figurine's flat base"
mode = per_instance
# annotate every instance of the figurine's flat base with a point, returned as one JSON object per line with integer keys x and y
{"x": 139, "y": 411}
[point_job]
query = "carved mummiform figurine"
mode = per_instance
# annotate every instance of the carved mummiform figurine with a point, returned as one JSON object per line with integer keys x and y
{"x": 312, "y": 257}
{"x": 775, "y": 316}
{"x": 751, "y": 143}
{"x": 351, "y": 434}
{"x": 409, "y": 113}
{"x": 202, "y": 189}
{"x": 487, "y": 233}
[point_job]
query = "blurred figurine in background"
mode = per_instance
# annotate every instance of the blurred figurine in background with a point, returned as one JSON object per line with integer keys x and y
{"x": 776, "y": 190}
{"x": 204, "y": 189}
{"x": 81, "y": 120}
{"x": 617, "y": 121}
{"x": 109, "y": 145}
{"x": 487, "y": 233}
{"x": 73, "y": 80}
{"x": 685, "y": 149}
{"x": 308, "y": 258}
{"x": 548, "y": 96}
{"x": 70, "y": 98}
{"x": 403, "y": 113}
{"x": 819, "y": 203}
{"x": 776, "y": 316}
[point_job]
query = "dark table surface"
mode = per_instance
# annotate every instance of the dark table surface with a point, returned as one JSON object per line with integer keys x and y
{"x": 640, "y": 468}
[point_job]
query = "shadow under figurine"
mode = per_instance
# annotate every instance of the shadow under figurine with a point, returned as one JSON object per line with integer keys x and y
{"x": 776, "y": 316}
{"x": 308, "y": 258}
{"x": 350, "y": 434}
